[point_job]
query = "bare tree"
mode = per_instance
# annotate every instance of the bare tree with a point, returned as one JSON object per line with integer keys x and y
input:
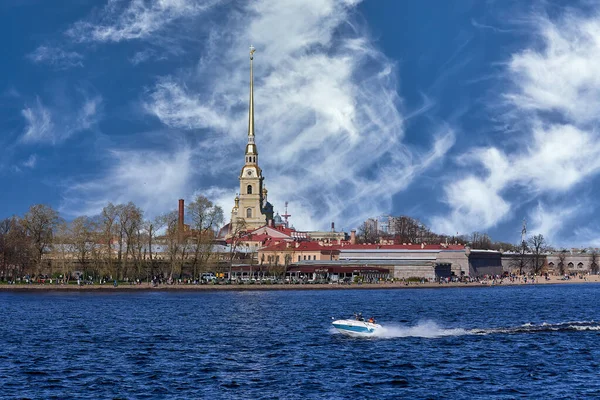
{"x": 81, "y": 231}
{"x": 130, "y": 222}
{"x": 367, "y": 233}
{"x": 206, "y": 217}
{"x": 239, "y": 229}
{"x": 522, "y": 261}
{"x": 151, "y": 228}
{"x": 176, "y": 249}
{"x": 16, "y": 251}
{"x": 594, "y": 261}
{"x": 537, "y": 244}
{"x": 480, "y": 241}
{"x": 108, "y": 220}
{"x": 562, "y": 266}
{"x": 40, "y": 222}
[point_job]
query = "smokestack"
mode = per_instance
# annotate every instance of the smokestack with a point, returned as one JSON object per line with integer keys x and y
{"x": 333, "y": 227}
{"x": 353, "y": 236}
{"x": 181, "y": 216}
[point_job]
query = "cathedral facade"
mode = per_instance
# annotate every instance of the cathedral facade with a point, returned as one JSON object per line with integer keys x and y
{"x": 251, "y": 209}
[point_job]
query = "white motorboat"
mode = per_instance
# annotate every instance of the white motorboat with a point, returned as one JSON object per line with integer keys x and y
{"x": 357, "y": 327}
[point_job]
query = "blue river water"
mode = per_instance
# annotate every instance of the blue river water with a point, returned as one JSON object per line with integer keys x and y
{"x": 462, "y": 343}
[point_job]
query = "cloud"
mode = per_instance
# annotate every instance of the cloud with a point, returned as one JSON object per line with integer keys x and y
{"x": 554, "y": 103}
{"x": 329, "y": 124}
{"x": 152, "y": 179}
{"x": 31, "y": 162}
{"x": 137, "y": 19}
{"x": 562, "y": 74}
{"x": 550, "y": 221}
{"x": 176, "y": 107}
{"x": 56, "y": 57}
{"x": 45, "y": 126}
{"x": 39, "y": 126}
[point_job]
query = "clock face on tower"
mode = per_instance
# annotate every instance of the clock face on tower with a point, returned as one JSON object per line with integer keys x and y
{"x": 249, "y": 173}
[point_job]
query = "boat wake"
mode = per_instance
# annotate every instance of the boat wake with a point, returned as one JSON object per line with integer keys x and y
{"x": 430, "y": 329}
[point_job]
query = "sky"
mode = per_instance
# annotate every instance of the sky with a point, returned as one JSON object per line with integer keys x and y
{"x": 469, "y": 115}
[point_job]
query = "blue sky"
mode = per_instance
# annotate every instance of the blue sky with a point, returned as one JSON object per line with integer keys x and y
{"x": 468, "y": 115}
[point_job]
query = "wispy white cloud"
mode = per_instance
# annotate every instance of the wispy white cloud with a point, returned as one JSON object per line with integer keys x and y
{"x": 30, "y": 162}
{"x": 178, "y": 108}
{"x": 39, "y": 126}
{"x": 554, "y": 102}
{"x": 153, "y": 180}
{"x": 552, "y": 221}
{"x": 137, "y": 19}
{"x": 45, "y": 126}
{"x": 145, "y": 56}
{"x": 56, "y": 57}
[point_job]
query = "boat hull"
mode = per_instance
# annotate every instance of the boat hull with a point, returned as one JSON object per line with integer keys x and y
{"x": 354, "y": 328}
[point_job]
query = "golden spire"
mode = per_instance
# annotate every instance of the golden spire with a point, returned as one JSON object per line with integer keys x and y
{"x": 251, "y": 107}
{"x": 251, "y": 151}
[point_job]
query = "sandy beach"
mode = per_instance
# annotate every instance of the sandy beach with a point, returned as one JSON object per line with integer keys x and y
{"x": 553, "y": 280}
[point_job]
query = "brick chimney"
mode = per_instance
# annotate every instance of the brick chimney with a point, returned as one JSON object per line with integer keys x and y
{"x": 181, "y": 219}
{"x": 353, "y": 236}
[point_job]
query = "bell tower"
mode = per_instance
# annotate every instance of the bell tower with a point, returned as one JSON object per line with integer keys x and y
{"x": 250, "y": 201}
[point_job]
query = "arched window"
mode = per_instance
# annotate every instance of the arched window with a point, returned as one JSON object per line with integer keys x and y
{"x": 249, "y": 213}
{"x": 249, "y": 189}
{"x": 580, "y": 265}
{"x": 570, "y": 265}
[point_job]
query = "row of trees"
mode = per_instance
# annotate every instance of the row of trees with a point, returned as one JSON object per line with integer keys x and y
{"x": 119, "y": 242}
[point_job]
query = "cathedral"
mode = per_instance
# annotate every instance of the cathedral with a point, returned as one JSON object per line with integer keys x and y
{"x": 251, "y": 209}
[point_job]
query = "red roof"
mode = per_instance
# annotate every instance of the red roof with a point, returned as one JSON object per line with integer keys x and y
{"x": 300, "y": 246}
{"x": 316, "y": 246}
{"x": 403, "y": 247}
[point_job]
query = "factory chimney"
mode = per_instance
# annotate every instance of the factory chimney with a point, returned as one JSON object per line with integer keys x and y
{"x": 181, "y": 219}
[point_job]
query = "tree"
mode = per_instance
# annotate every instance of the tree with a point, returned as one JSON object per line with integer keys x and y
{"x": 81, "y": 232}
{"x": 108, "y": 219}
{"x": 151, "y": 227}
{"x": 40, "y": 222}
{"x": 176, "y": 249}
{"x": 562, "y": 266}
{"x": 239, "y": 230}
{"x": 594, "y": 261}
{"x": 521, "y": 261}
{"x": 480, "y": 241}
{"x": 537, "y": 244}
{"x": 367, "y": 233}
{"x": 130, "y": 222}
{"x": 206, "y": 217}
{"x": 16, "y": 251}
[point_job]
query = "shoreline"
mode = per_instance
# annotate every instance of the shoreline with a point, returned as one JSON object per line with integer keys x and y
{"x": 146, "y": 287}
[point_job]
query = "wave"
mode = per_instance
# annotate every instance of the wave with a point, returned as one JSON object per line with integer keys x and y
{"x": 430, "y": 329}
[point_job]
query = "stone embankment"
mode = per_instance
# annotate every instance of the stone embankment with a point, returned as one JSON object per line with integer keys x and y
{"x": 241, "y": 287}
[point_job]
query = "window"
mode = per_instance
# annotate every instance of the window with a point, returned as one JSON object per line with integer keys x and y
{"x": 305, "y": 257}
{"x": 249, "y": 189}
{"x": 580, "y": 265}
{"x": 298, "y": 258}
{"x": 249, "y": 213}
